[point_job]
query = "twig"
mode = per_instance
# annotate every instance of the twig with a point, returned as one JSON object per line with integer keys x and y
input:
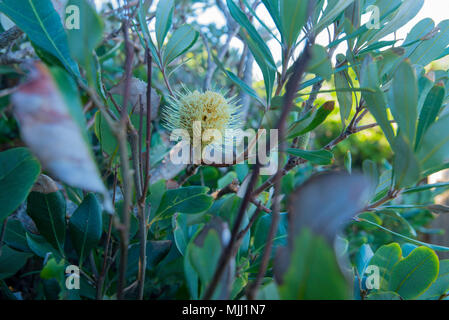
{"x": 9, "y": 35}
{"x": 148, "y": 129}
{"x": 191, "y": 170}
{"x": 233, "y": 187}
{"x": 126, "y": 174}
{"x": 144, "y": 210}
{"x": 101, "y": 278}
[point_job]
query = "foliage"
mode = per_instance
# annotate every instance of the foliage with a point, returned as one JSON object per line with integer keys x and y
{"x": 86, "y": 178}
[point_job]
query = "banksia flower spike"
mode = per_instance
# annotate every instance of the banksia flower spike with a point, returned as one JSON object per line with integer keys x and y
{"x": 211, "y": 109}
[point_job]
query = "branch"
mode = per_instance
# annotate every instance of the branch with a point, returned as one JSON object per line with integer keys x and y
{"x": 9, "y": 35}
{"x": 126, "y": 172}
{"x": 292, "y": 86}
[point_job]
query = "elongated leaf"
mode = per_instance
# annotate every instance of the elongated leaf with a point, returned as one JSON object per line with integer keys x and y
{"x": 164, "y": 16}
{"x": 234, "y": 78}
{"x": 322, "y": 157}
{"x": 430, "y": 110}
{"x": 315, "y": 120}
{"x": 141, "y": 15}
{"x": 405, "y": 165}
{"x": 342, "y": 82}
{"x": 434, "y": 148}
{"x": 375, "y": 101}
{"x": 333, "y": 9}
{"x": 42, "y": 24}
{"x": 403, "y": 100}
{"x": 411, "y": 276}
{"x": 86, "y": 226}
{"x": 273, "y": 7}
{"x": 48, "y": 213}
{"x": 293, "y": 14}
{"x": 407, "y": 10}
{"x": 258, "y": 48}
{"x": 181, "y": 41}
{"x": 18, "y": 172}
{"x": 428, "y": 50}
{"x": 185, "y": 200}
{"x": 83, "y": 40}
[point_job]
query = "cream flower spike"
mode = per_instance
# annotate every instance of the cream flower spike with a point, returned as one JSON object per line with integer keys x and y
{"x": 211, "y": 108}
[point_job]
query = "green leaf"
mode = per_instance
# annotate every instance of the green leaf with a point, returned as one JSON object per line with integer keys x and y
{"x": 341, "y": 82}
{"x": 322, "y": 157}
{"x": 15, "y": 235}
{"x": 104, "y": 134}
{"x": 262, "y": 229}
{"x": 293, "y": 14}
{"x": 204, "y": 259}
{"x": 412, "y": 276}
{"x": 274, "y": 11}
{"x": 257, "y": 46}
{"x": 313, "y": 272}
{"x": 434, "y": 148}
{"x": 403, "y": 100}
{"x": 84, "y": 40}
{"x": 190, "y": 200}
{"x": 385, "y": 258}
{"x": 427, "y": 50}
{"x": 43, "y": 26}
{"x": 156, "y": 252}
{"x": 164, "y": 16}
{"x": 11, "y": 261}
{"x": 19, "y": 169}
{"x": 39, "y": 246}
{"x": 234, "y": 78}
{"x": 85, "y": 226}
{"x": 405, "y": 165}
{"x": 375, "y": 101}
{"x": 307, "y": 268}
{"x": 301, "y": 127}
{"x": 48, "y": 213}
{"x": 408, "y": 10}
{"x": 142, "y": 15}
{"x": 319, "y": 63}
{"x": 430, "y": 110}
{"x": 226, "y": 179}
{"x": 441, "y": 284}
{"x": 333, "y": 9}
{"x": 180, "y": 41}
{"x": 156, "y": 191}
